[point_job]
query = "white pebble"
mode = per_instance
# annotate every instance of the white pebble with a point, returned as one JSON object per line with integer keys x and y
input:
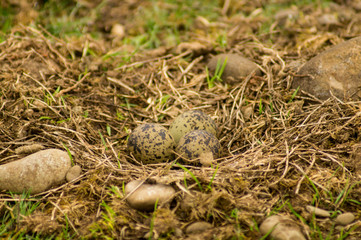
{"x": 198, "y": 227}
{"x": 317, "y": 211}
{"x": 345, "y": 218}
{"x": 282, "y": 227}
{"x": 145, "y": 196}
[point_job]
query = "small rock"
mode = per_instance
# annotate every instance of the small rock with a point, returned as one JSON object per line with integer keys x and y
{"x": 146, "y": 195}
{"x": 335, "y": 70}
{"x": 236, "y": 67}
{"x": 178, "y": 232}
{"x": 73, "y": 173}
{"x": 284, "y": 228}
{"x": 328, "y": 19}
{"x": 317, "y": 211}
{"x": 35, "y": 173}
{"x": 118, "y": 30}
{"x": 198, "y": 227}
{"x": 345, "y": 218}
{"x": 247, "y": 112}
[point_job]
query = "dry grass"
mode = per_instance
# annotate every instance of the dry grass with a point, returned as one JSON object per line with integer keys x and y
{"x": 280, "y": 152}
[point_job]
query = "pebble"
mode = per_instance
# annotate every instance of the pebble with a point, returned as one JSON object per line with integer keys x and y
{"x": 35, "y": 173}
{"x": 335, "y": 70}
{"x": 247, "y": 112}
{"x": 317, "y": 211}
{"x": 198, "y": 227}
{"x": 118, "y": 30}
{"x": 284, "y": 228}
{"x": 345, "y": 218}
{"x": 145, "y": 196}
{"x": 236, "y": 67}
{"x": 73, "y": 173}
{"x": 328, "y": 19}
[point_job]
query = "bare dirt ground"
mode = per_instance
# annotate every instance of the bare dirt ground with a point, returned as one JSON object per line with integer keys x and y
{"x": 285, "y": 153}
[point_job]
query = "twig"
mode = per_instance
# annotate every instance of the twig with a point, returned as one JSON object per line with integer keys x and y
{"x": 72, "y": 87}
{"x": 305, "y": 173}
{"x": 70, "y": 222}
{"x": 120, "y": 83}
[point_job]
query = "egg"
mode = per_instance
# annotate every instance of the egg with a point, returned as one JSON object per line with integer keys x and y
{"x": 194, "y": 143}
{"x": 190, "y": 121}
{"x": 151, "y": 143}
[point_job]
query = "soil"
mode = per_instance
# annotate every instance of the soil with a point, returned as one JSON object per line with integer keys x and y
{"x": 287, "y": 152}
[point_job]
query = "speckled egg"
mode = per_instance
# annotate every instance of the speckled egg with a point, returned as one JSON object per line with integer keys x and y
{"x": 194, "y": 143}
{"x": 151, "y": 143}
{"x": 190, "y": 121}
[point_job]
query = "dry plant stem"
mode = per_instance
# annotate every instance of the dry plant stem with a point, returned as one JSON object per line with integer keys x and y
{"x": 286, "y": 159}
{"x": 189, "y": 67}
{"x": 54, "y": 210}
{"x": 70, "y": 222}
{"x": 61, "y": 92}
{"x": 62, "y": 58}
{"x": 225, "y": 7}
{"x": 174, "y": 90}
{"x": 143, "y": 62}
{"x": 120, "y": 83}
{"x": 329, "y": 156}
{"x": 305, "y": 173}
{"x": 313, "y": 181}
{"x": 47, "y": 90}
{"x": 239, "y": 97}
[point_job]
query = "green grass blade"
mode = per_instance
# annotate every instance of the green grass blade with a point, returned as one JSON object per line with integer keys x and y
{"x": 192, "y": 175}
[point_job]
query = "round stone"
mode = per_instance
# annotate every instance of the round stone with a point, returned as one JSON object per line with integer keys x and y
{"x": 345, "y": 218}
{"x": 144, "y": 196}
{"x": 236, "y": 67}
{"x": 73, "y": 173}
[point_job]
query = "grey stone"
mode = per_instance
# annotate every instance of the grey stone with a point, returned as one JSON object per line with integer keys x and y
{"x": 35, "y": 173}
{"x": 236, "y": 67}
{"x": 73, "y": 173}
{"x": 335, "y": 70}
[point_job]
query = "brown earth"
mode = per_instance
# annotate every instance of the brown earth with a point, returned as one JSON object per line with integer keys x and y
{"x": 286, "y": 153}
